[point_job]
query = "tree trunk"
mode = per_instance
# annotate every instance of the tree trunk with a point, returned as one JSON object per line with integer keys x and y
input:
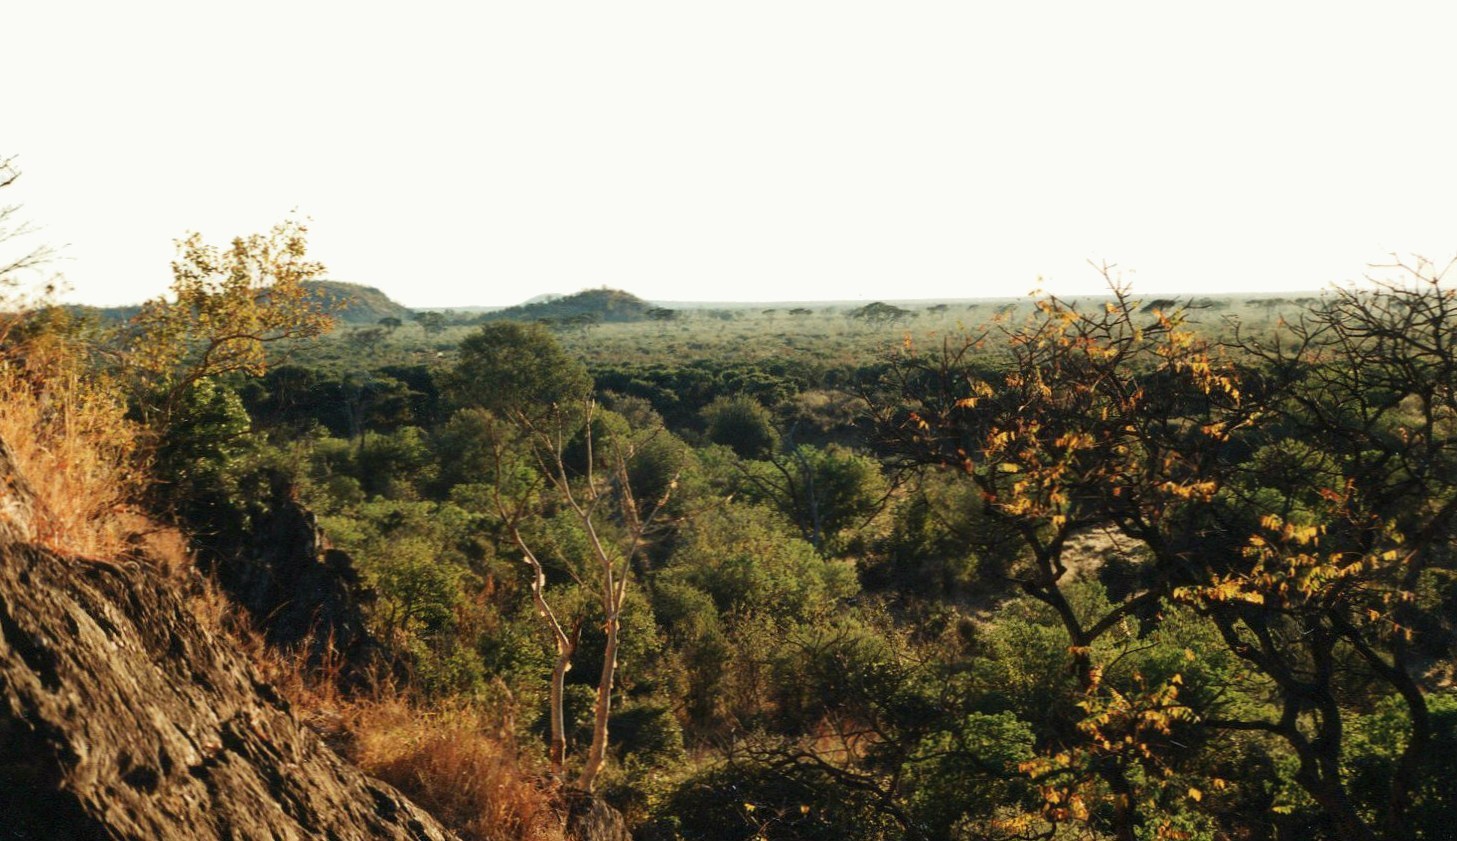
{"x": 598, "y": 752}
{"x": 558, "y": 718}
{"x": 566, "y": 646}
{"x": 1337, "y": 806}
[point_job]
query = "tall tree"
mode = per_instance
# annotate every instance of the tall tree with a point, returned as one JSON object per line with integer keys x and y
{"x": 551, "y": 450}
{"x": 1336, "y": 579}
{"x": 1099, "y": 418}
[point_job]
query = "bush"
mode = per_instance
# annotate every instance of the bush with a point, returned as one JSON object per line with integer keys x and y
{"x": 66, "y": 428}
{"x": 742, "y": 801}
{"x": 743, "y": 558}
{"x": 743, "y": 425}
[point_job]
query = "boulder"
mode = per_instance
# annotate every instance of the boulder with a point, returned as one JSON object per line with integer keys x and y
{"x": 590, "y": 818}
{"x": 17, "y": 500}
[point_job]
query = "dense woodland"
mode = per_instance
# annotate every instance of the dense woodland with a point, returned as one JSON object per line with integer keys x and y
{"x": 1105, "y": 568}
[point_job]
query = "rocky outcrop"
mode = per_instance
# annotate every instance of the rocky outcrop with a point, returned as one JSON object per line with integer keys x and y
{"x": 298, "y": 591}
{"x": 17, "y": 500}
{"x": 121, "y": 717}
{"x": 590, "y": 818}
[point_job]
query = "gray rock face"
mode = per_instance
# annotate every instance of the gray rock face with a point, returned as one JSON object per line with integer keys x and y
{"x": 590, "y": 818}
{"x": 17, "y": 501}
{"x": 123, "y": 718}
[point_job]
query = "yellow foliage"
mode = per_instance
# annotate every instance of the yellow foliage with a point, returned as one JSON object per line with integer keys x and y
{"x": 227, "y": 305}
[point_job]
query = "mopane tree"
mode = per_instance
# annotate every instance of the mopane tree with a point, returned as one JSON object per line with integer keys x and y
{"x": 1338, "y": 594}
{"x": 1099, "y": 418}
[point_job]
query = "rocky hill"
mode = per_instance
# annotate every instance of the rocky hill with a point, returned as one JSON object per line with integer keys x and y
{"x": 123, "y": 717}
{"x": 353, "y": 303}
{"x": 596, "y": 305}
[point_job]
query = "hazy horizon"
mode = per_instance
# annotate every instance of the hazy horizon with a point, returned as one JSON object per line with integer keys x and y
{"x": 691, "y": 303}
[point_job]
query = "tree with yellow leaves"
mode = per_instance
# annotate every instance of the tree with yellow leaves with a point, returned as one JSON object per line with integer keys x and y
{"x": 1311, "y": 567}
{"x": 227, "y": 305}
{"x": 1100, "y": 417}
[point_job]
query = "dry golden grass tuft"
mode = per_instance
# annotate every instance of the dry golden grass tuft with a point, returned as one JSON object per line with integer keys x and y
{"x": 449, "y": 761}
{"x": 455, "y": 760}
{"x": 66, "y": 427}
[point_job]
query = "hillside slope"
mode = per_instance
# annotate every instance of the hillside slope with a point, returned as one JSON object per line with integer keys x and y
{"x": 353, "y": 303}
{"x": 122, "y": 717}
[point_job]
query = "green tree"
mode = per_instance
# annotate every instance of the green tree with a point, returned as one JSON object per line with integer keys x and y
{"x": 822, "y": 491}
{"x": 433, "y": 323}
{"x": 744, "y": 558}
{"x": 205, "y": 445}
{"x": 880, "y": 313}
{"x": 366, "y": 338}
{"x": 520, "y": 373}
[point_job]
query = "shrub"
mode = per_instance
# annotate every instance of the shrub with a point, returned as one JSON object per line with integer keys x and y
{"x": 447, "y": 761}
{"x": 741, "y": 424}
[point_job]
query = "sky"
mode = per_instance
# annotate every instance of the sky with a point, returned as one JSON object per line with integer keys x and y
{"x": 483, "y": 153}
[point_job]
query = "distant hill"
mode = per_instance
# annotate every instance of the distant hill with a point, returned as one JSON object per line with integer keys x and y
{"x": 106, "y": 316}
{"x": 352, "y": 303}
{"x": 604, "y": 305}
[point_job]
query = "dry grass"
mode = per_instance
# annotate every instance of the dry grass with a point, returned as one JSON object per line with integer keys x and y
{"x": 66, "y": 428}
{"x": 451, "y": 762}
{"x": 455, "y": 760}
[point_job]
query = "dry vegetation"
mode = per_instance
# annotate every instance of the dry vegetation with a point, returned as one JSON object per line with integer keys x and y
{"x": 455, "y": 760}
{"x": 448, "y": 761}
{"x": 69, "y": 435}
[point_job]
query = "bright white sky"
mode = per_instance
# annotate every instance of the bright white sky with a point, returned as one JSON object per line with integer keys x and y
{"x": 486, "y": 152}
